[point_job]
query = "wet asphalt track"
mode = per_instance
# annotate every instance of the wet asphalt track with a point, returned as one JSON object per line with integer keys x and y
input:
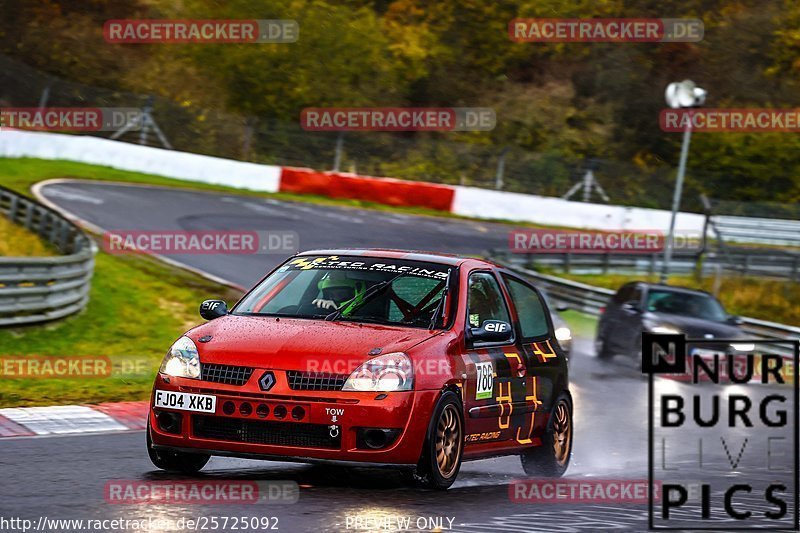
{"x": 64, "y": 477}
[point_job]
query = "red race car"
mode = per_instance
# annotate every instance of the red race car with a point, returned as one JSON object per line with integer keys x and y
{"x": 369, "y": 357}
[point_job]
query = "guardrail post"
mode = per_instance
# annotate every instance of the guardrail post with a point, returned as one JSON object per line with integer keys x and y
{"x": 567, "y": 258}
{"x": 606, "y": 259}
{"x": 12, "y": 209}
{"x": 29, "y": 208}
{"x": 795, "y": 265}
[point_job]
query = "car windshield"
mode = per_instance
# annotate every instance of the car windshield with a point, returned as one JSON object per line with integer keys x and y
{"x": 693, "y": 305}
{"x": 362, "y": 289}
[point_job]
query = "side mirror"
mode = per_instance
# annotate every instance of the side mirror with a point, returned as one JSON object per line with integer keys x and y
{"x": 631, "y": 306}
{"x": 492, "y": 331}
{"x": 211, "y": 309}
{"x": 735, "y": 320}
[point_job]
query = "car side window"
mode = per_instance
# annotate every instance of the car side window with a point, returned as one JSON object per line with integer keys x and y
{"x": 530, "y": 310}
{"x": 485, "y": 300}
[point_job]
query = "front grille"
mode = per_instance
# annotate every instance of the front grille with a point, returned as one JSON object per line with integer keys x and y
{"x": 320, "y": 381}
{"x": 260, "y": 432}
{"x": 229, "y": 375}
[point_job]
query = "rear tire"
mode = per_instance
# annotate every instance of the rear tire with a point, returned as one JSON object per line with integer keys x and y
{"x": 551, "y": 459}
{"x": 444, "y": 445}
{"x": 185, "y": 463}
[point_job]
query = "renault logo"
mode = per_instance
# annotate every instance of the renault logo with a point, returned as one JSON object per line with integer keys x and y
{"x": 267, "y": 381}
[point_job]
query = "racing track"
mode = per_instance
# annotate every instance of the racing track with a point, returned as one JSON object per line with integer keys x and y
{"x": 63, "y": 477}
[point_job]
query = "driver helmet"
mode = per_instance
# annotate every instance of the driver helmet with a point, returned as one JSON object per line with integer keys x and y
{"x": 339, "y": 288}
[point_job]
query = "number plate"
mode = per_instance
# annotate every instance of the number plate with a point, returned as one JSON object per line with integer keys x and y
{"x": 183, "y": 401}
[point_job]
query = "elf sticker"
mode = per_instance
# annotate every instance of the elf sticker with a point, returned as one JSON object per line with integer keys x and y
{"x": 485, "y": 384}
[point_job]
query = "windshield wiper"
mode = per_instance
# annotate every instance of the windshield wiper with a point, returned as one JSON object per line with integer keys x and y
{"x": 440, "y": 306}
{"x": 372, "y": 291}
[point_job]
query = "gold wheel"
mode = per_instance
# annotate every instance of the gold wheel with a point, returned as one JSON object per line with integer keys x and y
{"x": 562, "y": 433}
{"x": 448, "y": 441}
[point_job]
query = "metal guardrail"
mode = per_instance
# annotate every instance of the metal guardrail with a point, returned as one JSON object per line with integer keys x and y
{"x": 773, "y": 231}
{"x": 38, "y": 289}
{"x": 781, "y": 264}
{"x": 590, "y": 299}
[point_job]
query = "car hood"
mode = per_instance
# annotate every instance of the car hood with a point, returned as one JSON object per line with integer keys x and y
{"x": 697, "y": 328}
{"x": 299, "y": 344}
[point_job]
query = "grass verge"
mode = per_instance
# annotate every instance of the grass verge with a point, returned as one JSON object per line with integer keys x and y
{"x": 16, "y": 241}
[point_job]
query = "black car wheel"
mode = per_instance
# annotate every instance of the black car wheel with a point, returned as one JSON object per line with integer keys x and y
{"x": 186, "y": 463}
{"x": 444, "y": 445}
{"x": 551, "y": 459}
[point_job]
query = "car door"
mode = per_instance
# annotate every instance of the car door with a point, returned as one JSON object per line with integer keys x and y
{"x": 546, "y": 364}
{"x": 493, "y": 369}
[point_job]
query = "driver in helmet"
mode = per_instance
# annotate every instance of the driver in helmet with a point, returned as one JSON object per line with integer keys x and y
{"x": 338, "y": 289}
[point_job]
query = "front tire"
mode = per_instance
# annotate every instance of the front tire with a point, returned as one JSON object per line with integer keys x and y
{"x": 551, "y": 459}
{"x": 184, "y": 463}
{"x": 444, "y": 446}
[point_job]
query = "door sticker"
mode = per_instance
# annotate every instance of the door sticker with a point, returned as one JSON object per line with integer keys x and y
{"x": 485, "y": 384}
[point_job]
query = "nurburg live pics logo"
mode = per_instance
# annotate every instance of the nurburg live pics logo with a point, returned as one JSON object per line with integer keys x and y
{"x": 732, "y": 428}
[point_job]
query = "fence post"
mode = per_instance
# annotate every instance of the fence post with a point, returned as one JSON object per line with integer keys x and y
{"x": 337, "y": 157}
{"x": 606, "y": 258}
{"x": 567, "y": 258}
{"x": 12, "y": 209}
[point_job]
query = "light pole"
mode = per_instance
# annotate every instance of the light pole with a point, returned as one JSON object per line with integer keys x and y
{"x": 680, "y": 95}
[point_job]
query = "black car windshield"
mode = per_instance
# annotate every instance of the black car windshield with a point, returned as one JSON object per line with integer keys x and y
{"x": 363, "y": 289}
{"x": 695, "y": 305}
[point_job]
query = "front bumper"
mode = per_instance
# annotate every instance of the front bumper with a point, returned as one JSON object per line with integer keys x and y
{"x": 314, "y": 426}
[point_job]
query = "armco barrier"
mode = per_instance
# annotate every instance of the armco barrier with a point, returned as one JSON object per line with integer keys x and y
{"x": 387, "y": 191}
{"x": 591, "y": 300}
{"x": 37, "y": 289}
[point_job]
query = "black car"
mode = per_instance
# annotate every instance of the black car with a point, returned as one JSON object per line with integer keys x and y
{"x": 656, "y": 308}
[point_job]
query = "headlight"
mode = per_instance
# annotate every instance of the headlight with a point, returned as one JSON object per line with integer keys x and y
{"x": 744, "y": 347}
{"x": 563, "y": 333}
{"x": 387, "y": 373}
{"x": 182, "y": 360}
{"x": 665, "y": 329}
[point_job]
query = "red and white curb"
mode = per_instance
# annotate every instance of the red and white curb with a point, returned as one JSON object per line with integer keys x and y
{"x": 73, "y": 419}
